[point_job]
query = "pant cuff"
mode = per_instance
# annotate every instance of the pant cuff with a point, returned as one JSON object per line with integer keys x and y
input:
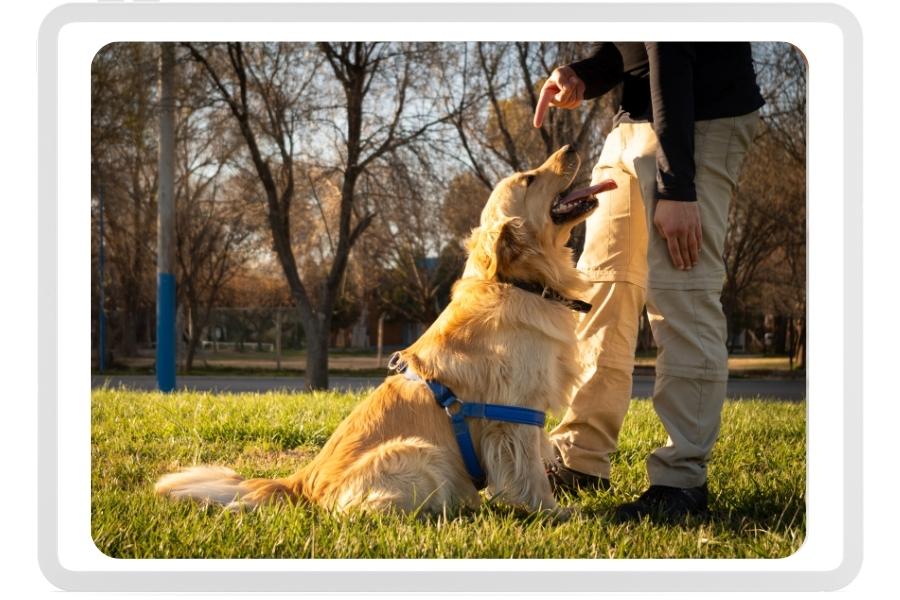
{"x": 600, "y": 274}
{"x": 698, "y": 284}
{"x": 572, "y": 458}
{"x": 685, "y": 372}
{"x": 676, "y": 479}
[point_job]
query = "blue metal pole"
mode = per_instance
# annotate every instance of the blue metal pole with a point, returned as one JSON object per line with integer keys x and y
{"x": 165, "y": 241}
{"x": 165, "y": 332}
{"x": 101, "y": 312}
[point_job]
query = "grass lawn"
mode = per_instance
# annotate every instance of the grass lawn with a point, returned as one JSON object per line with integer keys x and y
{"x": 757, "y": 484}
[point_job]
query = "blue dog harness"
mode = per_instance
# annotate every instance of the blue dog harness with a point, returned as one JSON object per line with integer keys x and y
{"x": 458, "y": 411}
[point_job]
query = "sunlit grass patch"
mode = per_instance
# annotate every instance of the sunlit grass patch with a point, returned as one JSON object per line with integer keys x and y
{"x": 757, "y": 484}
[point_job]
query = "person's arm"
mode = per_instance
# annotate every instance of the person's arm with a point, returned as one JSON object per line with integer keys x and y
{"x": 601, "y": 71}
{"x": 588, "y": 78}
{"x": 677, "y": 216}
{"x": 672, "y": 95}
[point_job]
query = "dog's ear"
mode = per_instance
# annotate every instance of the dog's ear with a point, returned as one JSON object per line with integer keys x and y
{"x": 494, "y": 249}
{"x": 512, "y": 244}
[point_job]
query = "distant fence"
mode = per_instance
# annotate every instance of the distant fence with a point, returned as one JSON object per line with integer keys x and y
{"x": 254, "y": 337}
{"x": 214, "y": 346}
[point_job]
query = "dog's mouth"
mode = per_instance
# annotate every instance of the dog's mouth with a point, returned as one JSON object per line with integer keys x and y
{"x": 573, "y": 204}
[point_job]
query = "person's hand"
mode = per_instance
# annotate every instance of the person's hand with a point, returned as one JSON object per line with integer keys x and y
{"x": 679, "y": 224}
{"x": 563, "y": 89}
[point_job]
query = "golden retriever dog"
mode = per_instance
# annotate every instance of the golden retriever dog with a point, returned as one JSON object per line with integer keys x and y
{"x": 507, "y": 338}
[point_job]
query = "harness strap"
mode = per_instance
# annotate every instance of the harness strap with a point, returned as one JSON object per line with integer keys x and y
{"x": 446, "y": 399}
{"x": 500, "y": 412}
{"x": 458, "y": 411}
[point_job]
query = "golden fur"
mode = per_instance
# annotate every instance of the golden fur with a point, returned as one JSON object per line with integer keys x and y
{"x": 494, "y": 343}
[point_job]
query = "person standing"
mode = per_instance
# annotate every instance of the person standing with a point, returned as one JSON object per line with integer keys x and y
{"x": 688, "y": 114}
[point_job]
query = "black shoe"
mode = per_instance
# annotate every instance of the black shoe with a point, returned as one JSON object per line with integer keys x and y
{"x": 562, "y": 478}
{"x": 666, "y": 503}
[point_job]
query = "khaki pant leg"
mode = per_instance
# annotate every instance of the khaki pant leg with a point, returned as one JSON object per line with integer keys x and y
{"x": 615, "y": 241}
{"x": 686, "y": 313}
{"x": 691, "y": 379}
{"x": 607, "y": 335}
{"x": 615, "y": 259}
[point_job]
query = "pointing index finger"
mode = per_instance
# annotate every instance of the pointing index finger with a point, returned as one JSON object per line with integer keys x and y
{"x": 547, "y": 92}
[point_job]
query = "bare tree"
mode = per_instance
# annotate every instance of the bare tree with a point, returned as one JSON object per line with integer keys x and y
{"x": 210, "y": 249}
{"x": 753, "y": 235}
{"x": 416, "y": 263}
{"x": 269, "y": 89}
{"x": 430, "y": 200}
{"x": 784, "y": 72}
{"x": 212, "y": 226}
{"x": 123, "y": 164}
{"x": 765, "y": 249}
{"x": 495, "y": 88}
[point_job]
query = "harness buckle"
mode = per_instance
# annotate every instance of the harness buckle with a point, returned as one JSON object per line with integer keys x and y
{"x": 456, "y": 403}
{"x": 396, "y": 363}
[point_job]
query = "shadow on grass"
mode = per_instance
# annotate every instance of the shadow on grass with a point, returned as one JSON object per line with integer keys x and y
{"x": 758, "y": 511}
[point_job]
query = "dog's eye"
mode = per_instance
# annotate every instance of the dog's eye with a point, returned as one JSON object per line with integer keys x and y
{"x": 529, "y": 179}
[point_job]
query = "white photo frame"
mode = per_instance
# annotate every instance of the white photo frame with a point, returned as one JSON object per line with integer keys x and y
{"x": 831, "y": 39}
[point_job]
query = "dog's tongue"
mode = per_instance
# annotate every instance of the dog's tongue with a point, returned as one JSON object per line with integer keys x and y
{"x": 603, "y": 186}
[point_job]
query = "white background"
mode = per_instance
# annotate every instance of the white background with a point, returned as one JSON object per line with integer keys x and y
{"x": 19, "y": 350}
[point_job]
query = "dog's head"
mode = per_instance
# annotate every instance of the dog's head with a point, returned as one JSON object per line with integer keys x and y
{"x": 528, "y": 220}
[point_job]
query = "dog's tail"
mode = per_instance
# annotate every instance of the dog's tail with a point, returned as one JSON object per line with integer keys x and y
{"x": 221, "y": 485}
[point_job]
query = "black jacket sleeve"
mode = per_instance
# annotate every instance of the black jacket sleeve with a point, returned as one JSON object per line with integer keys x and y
{"x": 672, "y": 95}
{"x": 601, "y": 71}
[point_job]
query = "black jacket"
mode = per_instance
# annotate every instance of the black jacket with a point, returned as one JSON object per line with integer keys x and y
{"x": 673, "y": 84}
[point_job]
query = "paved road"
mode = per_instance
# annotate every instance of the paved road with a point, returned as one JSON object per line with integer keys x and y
{"x": 643, "y": 385}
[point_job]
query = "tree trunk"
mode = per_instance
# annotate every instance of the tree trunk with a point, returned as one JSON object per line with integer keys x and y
{"x": 193, "y": 342}
{"x": 129, "y": 331}
{"x": 789, "y": 337}
{"x": 780, "y": 334}
{"x": 195, "y": 330}
{"x": 800, "y": 351}
{"x": 179, "y": 334}
{"x": 277, "y": 339}
{"x": 729, "y": 336}
{"x": 317, "y": 355}
{"x": 380, "y": 340}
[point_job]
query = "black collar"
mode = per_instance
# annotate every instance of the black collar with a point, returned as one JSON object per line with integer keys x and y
{"x": 549, "y": 294}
